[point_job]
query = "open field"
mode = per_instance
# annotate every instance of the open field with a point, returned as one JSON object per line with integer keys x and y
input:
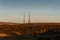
{"x": 29, "y": 28}
{"x": 30, "y": 31}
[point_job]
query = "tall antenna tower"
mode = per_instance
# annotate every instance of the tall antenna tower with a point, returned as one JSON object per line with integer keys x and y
{"x": 24, "y": 18}
{"x": 29, "y": 18}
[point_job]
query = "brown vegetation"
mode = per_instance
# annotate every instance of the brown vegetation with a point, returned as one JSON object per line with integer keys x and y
{"x": 29, "y": 28}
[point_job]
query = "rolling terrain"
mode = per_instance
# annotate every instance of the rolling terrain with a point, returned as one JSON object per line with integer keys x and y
{"x": 27, "y": 28}
{"x": 29, "y": 31}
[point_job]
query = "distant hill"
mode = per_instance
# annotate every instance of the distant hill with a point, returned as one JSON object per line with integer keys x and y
{"x": 8, "y": 23}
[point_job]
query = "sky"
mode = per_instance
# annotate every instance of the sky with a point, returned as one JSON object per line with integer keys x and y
{"x": 40, "y": 10}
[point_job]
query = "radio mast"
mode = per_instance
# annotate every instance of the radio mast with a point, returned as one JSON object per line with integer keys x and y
{"x": 29, "y": 18}
{"x": 24, "y": 18}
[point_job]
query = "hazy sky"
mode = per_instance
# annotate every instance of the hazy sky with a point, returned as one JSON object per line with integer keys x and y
{"x": 41, "y": 10}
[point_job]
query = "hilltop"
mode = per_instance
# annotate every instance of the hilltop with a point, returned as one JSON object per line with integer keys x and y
{"x": 8, "y": 23}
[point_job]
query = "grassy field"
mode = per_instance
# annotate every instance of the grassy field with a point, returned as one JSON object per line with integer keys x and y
{"x": 31, "y": 31}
